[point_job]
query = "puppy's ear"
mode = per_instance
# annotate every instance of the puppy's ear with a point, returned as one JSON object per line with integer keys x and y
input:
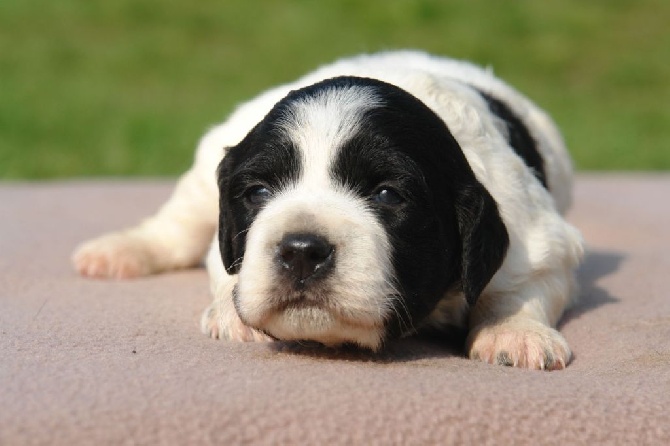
{"x": 484, "y": 239}
{"x": 226, "y": 220}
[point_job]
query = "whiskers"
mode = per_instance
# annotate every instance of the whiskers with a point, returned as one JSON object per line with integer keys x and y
{"x": 238, "y": 261}
{"x": 243, "y": 231}
{"x": 400, "y": 309}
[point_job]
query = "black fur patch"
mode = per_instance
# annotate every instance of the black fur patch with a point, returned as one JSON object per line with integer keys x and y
{"x": 518, "y": 136}
{"x": 264, "y": 158}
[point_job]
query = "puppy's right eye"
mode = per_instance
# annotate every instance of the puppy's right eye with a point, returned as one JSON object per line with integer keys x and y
{"x": 257, "y": 195}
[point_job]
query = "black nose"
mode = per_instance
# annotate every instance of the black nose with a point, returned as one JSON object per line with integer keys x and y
{"x": 305, "y": 256}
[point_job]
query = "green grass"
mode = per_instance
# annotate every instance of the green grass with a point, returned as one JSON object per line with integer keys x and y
{"x": 126, "y": 87}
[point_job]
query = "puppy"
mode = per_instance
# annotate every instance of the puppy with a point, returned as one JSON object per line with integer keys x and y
{"x": 377, "y": 197}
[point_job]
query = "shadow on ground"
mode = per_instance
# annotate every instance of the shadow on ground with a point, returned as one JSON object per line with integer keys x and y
{"x": 597, "y": 265}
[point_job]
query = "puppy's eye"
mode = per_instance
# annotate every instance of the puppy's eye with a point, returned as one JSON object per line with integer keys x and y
{"x": 257, "y": 195}
{"x": 387, "y": 196}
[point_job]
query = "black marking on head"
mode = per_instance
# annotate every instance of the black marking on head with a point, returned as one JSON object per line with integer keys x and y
{"x": 264, "y": 158}
{"x": 446, "y": 231}
{"x": 518, "y": 136}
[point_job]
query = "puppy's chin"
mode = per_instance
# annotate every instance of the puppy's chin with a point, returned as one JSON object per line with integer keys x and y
{"x": 308, "y": 322}
{"x": 316, "y": 324}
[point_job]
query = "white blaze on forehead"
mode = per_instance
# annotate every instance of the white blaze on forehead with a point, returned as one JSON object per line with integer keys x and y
{"x": 320, "y": 124}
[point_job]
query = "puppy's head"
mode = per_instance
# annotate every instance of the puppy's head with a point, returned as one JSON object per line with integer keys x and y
{"x": 348, "y": 212}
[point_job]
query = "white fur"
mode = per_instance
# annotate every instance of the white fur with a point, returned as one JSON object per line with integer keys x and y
{"x": 513, "y": 317}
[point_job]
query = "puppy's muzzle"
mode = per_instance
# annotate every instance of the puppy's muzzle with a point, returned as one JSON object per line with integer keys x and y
{"x": 304, "y": 257}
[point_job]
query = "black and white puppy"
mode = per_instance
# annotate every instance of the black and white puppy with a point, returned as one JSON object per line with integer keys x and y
{"x": 376, "y": 197}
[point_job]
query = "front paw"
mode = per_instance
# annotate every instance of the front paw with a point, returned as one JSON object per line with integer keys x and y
{"x": 117, "y": 255}
{"x": 220, "y": 321}
{"x": 519, "y": 343}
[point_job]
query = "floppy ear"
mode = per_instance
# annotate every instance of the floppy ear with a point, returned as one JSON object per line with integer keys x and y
{"x": 484, "y": 239}
{"x": 226, "y": 221}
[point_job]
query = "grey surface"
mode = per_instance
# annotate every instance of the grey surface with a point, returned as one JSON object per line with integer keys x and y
{"x": 96, "y": 362}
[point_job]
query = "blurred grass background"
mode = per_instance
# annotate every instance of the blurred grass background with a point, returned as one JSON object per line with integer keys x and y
{"x": 126, "y": 87}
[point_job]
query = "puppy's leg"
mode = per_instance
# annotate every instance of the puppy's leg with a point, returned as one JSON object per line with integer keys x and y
{"x": 176, "y": 237}
{"x": 515, "y": 329}
{"x": 220, "y": 319}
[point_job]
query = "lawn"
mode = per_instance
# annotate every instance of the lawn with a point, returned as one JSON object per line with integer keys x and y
{"x": 126, "y": 87}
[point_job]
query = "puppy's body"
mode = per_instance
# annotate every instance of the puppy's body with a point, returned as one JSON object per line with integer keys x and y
{"x": 375, "y": 197}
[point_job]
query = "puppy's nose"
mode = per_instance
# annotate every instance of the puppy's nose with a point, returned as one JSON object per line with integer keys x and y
{"x": 305, "y": 256}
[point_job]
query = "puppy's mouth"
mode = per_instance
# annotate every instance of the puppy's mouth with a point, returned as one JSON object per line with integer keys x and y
{"x": 302, "y": 301}
{"x": 305, "y": 316}
{"x": 283, "y": 300}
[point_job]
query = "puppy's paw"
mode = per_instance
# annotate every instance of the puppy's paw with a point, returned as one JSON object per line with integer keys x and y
{"x": 519, "y": 343}
{"x": 118, "y": 256}
{"x": 220, "y": 321}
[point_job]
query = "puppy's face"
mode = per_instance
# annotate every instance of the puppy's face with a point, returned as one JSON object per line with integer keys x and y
{"x": 349, "y": 212}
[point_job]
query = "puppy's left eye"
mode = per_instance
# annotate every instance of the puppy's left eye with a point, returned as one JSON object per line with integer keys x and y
{"x": 387, "y": 196}
{"x": 257, "y": 195}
